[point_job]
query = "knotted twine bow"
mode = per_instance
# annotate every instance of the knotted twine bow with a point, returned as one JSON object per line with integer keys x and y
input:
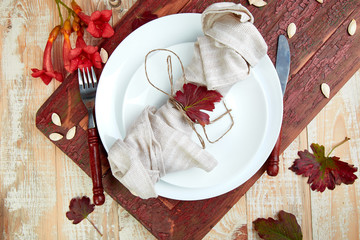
{"x": 179, "y": 105}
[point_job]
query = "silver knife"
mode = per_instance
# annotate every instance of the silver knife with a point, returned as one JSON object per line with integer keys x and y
{"x": 283, "y": 69}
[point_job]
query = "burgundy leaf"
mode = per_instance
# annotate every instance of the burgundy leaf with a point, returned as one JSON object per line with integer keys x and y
{"x": 323, "y": 171}
{"x": 286, "y": 228}
{"x": 196, "y": 98}
{"x": 80, "y": 208}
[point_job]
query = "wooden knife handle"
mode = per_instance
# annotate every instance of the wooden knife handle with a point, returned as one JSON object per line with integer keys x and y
{"x": 273, "y": 160}
{"x": 95, "y": 165}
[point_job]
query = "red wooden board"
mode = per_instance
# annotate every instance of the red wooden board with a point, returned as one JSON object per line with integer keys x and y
{"x": 321, "y": 51}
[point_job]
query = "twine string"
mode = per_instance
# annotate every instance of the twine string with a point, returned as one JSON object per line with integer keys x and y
{"x": 177, "y": 104}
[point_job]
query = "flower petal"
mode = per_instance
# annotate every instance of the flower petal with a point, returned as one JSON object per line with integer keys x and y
{"x": 108, "y": 31}
{"x": 96, "y": 60}
{"x": 92, "y": 29}
{"x": 74, "y": 53}
{"x": 95, "y": 15}
{"x": 106, "y": 15}
{"x": 90, "y": 49}
{"x": 36, "y": 72}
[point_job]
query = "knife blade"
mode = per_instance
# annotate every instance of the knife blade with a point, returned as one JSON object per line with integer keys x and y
{"x": 282, "y": 66}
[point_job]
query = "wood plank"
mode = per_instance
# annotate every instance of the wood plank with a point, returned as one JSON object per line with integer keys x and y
{"x": 275, "y": 194}
{"x": 338, "y": 119}
{"x": 21, "y": 177}
{"x": 334, "y": 63}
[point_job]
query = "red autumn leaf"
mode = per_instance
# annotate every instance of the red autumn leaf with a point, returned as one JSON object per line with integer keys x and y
{"x": 286, "y": 228}
{"x": 323, "y": 171}
{"x": 80, "y": 208}
{"x": 196, "y": 98}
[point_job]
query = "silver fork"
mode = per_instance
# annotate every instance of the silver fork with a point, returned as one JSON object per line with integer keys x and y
{"x": 88, "y": 85}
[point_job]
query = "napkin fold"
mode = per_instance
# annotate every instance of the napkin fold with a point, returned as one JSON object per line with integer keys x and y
{"x": 160, "y": 140}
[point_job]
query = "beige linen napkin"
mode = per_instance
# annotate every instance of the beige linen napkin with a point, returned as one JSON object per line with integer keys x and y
{"x": 159, "y": 141}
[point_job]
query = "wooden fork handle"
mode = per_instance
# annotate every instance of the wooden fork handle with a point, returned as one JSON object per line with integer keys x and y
{"x": 95, "y": 165}
{"x": 273, "y": 159}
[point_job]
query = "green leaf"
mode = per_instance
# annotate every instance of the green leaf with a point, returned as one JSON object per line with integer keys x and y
{"x": 286, "y": 228}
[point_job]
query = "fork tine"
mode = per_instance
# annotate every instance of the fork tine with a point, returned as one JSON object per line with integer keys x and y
{"x": 90, "y": 80}
{"x": 94, "y": 76}
{"x": 81, "y": 83}
{"x": 86, "y": 80}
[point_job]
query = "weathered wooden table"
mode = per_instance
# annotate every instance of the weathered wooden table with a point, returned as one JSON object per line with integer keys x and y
{"x": 322, "y": 51}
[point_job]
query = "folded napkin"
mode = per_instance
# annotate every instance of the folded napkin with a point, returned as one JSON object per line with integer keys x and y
{"x": 159, "y": 141}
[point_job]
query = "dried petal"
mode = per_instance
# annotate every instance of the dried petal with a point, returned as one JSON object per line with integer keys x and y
{"x": 71, "y": 133}
{"x": 55, "y": 137}
{"x": 320, "y": 1}
{"x": 56, "y": 119}
{"x": 352, "y": 27}
{"x": 291, "y": 30}
{"x": 325, "y": 89}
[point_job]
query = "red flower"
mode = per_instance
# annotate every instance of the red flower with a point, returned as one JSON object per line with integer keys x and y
{"x": 98, "y": 22}
{"x": 48, "y": 73}
{"x": 84, "y": 56}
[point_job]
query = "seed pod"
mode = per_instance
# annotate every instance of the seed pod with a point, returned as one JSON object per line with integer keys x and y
{"x": 257, "y": 3}
{"x": 104, "y": 55}
{"x": 71, "y": 133}
{"x": 291, "y": 30}
{"x": 56, "y": 119}
{"x": 325, "y": 89}
{"x": 352, "y": 27}
{"x": 55, "y": 137}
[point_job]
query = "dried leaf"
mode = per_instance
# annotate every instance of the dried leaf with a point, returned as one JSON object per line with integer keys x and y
{"x": 323, "y": 171}
{"x": 283, "y": 229}
{"x": 80, "y": 208}
{"x": 320, "y": 1}
{"x": 196, "y": 98}
{"x": 56, "y": 119}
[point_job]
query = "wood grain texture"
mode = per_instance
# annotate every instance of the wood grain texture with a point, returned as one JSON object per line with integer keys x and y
{"x": 37, "y": 180}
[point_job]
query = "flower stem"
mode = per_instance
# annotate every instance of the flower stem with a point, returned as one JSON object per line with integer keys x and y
{"x": 69, "y": 9}
{"x": 337, "y": 145}
{"x": 61, "y": 17}
{"x": 95, "y": 227}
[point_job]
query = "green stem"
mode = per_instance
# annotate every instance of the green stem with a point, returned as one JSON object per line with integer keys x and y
{"x": 95, "y": 227}
{"x": 69, "y": 9}
{"x": 337, "y": 145}
{"x": 61, "y": 17}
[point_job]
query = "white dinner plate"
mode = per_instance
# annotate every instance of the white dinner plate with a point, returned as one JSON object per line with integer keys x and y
{"x": 256, "y": 104}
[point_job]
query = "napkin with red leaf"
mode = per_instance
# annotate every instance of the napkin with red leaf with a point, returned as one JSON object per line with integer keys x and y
{"x": 160, "y": 140}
